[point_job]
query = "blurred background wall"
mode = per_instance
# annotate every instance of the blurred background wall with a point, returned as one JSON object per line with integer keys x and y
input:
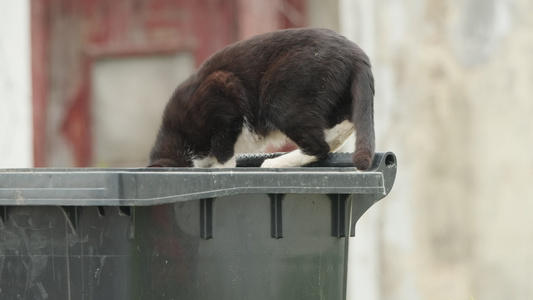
{"x": 15, "y": 85}
{"x": 454, "y": 99}
{"x": 454, "y": 102}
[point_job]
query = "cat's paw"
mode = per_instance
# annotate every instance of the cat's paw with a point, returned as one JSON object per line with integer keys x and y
{"x": 273, "y": 163}
{"x": 292, "y": 159}
{"x": 232, "y": 163}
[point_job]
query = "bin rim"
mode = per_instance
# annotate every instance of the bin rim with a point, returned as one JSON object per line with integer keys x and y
{"x": 154, "y": 186}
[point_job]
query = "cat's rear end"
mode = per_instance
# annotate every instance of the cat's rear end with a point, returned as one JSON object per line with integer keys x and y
{"x": 312, "y": 85}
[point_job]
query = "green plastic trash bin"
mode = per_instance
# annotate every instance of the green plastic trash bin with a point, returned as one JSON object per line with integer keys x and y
{"x": 241, "y": 233}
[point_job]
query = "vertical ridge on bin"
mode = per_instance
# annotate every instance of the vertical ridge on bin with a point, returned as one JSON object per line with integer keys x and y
{"x": 101, "y": 210}
{"x": 128, "y": 211}
{"x": 3, "y": 215}
{"x": 206, "y": 218}
{"x": 276, "y": 222}
{"x": 72, "y": 214}
{"x": 338, "y": 214}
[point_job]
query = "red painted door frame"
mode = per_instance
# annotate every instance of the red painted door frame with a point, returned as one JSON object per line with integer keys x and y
{"x": 39, "y": 65}
{"x": 68, "y": 36}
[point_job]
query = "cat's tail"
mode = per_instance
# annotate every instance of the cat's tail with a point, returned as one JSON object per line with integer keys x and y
{"x": 363, "y": 115}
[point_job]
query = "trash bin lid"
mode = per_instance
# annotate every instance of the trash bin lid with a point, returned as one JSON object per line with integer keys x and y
{"x": 154, "y": 186}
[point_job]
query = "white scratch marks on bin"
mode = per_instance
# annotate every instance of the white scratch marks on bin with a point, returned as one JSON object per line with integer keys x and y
{"x": 67, "y": 258}
{"x": 98, "y": 271}
{"x": 43, "y": 292}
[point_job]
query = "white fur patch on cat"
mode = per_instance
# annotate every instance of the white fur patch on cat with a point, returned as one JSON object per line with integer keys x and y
{"x": 335, "y": 137}
{"x": 292, "y": 159}
{"x": 247, "y": 142}
{"x": 206, "y": 162}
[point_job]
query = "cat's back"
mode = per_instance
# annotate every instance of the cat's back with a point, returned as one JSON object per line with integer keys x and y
{"x": 262, "y": 49}
{"x": 293, "y": 37}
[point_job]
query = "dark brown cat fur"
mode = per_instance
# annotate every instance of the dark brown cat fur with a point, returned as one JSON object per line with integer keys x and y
{"x": 300, "y": 82}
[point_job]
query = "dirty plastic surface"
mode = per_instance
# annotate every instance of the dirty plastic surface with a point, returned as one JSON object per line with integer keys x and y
{"x": 242, "y": 233}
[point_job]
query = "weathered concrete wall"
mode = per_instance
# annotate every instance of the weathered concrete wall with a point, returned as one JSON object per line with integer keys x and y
{"x": 454, "y": 102}
{"x": 15, "y": 85}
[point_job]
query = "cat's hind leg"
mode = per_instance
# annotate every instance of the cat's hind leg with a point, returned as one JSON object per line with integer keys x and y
{"x": 312, "y": 147}
{"x": 329, "y": 141}
{"x": 294, "y": 158}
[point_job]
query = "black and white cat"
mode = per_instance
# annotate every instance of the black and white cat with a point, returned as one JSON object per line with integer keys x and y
{"x": 313, "y": 86}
